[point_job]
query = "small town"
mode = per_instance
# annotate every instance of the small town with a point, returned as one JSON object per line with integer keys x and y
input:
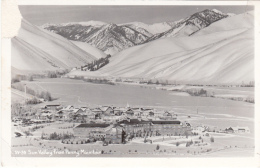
{"x": 137, "y": 81}
{"x": 109, "y": 125}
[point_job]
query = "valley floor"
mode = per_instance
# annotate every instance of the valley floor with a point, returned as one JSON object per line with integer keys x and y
{"x": 213, "y": 112}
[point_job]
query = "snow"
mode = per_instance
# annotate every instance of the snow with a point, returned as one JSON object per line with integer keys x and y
{"x": 153, "y": 28}
{"x": 213, "y": 56}
{"x": 88, "y": 23}
{"x": 37, "y": 49}
{"x": 217, "y": 11}
{"x": 245, "y": 20}
{"x": 92, "y": 23}
{"x": 90, "y": 49}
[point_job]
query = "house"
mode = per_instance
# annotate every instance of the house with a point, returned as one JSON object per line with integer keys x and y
{"x": 118, "y": 111}
{"x": 168, "y": 116}
{"x": 199, "y": 129}
{"x": 107, "y": 110}
{"x": 68, "y": 108}
{"x": 46, "y": 115}
{"x": 84, "y": 108}
{"x": 59, "y": 115}
{"x": 238, "y": 130}
{"x": 97, "y": 111}
{"x": 78, "y": 111}
{"x": 229, "y": 130}
{"x": 90, "y": 114}
{"x": 129, "y": 112}
{"x": 137, "y": 113}
{"x": 53, "y": 107}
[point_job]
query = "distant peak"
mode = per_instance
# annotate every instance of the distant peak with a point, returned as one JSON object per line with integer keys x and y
{"x": 110, "y": 25}
{"x": 217, "y": 11}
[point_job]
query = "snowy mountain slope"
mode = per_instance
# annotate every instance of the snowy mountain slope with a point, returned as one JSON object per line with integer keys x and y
{"x": 152, "y": 28}
{"x": 90, "y": 49}
{"x": 245, "y": 20}
{"x": 110, "y": 38}
{"x": 167, "y": 46}
{"x": 48, "y": 50}
{"x": 192, "y": 24}
{"x": 219, "y": 62}
{"x": 28, "y": 57}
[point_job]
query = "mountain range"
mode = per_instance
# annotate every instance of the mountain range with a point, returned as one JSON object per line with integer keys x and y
{"x": 112, "y": 38}
{"x": 204, "y": 47}
{"x": 221, "y": 53}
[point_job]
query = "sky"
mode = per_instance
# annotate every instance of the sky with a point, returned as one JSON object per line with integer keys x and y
{"x": 40, "y": 15}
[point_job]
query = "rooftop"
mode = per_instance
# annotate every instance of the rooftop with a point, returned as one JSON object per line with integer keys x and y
{"x": 165, "y": 122}
{"x": 133, "y": 121}
{"x": 92, "y": 125}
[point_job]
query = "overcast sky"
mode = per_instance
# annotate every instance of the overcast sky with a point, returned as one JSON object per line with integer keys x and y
{"x": 39, "y": 15}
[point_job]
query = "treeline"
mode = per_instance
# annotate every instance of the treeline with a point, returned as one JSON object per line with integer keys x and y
{"x": 57, "y": 74}
{"x": 95, "y": 80}
{"x": 157, "y": 82}
{"x": 43, "y": 94}
{"x": 99, "y": 81}
{"x": 250, "y": 84}
{"x": 18, "y": 78}
{"x": 47, "y": 74}
{"x": 96, "y": 64}
{"x": 197, "y": 92}
{"x": 57, "y": 136}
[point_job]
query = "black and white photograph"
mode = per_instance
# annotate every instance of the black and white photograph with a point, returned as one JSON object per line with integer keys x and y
{"x": 133, "y": 81}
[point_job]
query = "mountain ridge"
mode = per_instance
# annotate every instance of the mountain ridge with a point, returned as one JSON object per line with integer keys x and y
{"x": 112, "y": 38}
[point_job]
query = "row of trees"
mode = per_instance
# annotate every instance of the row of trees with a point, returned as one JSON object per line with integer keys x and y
{"x": 56, "y": 74}
{"x": 197, "y": 92}
{"x": 95, "y": 80}
{"x": 58, "y": 136}
{"x": 96, "y": 64}
{"x": 43, "y": 94}
{"x": 18, "y": 78}
{"x": 49, "y": 74}
{"x": 157, "y": 82}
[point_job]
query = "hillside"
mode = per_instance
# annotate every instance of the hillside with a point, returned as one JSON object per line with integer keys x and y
{"x": 36, "y": 49}
{"x": 191, "y": 24}
{"x": 244, "y": 20}
{"x": 90, "y": 49}
{"x": 213, "y": 56}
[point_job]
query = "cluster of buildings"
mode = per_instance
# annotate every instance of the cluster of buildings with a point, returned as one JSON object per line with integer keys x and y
{"x": 116, "y": 124}
{"x": 129, "y": 128}
{"x": 105, "y": 113}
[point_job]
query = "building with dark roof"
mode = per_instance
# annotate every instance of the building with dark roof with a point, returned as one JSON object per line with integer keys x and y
{"x": 143, "y": 128}
{"x": 88, "y": 130}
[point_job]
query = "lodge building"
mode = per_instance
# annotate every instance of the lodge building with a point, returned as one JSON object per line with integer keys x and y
{"x": 131, "y": 128}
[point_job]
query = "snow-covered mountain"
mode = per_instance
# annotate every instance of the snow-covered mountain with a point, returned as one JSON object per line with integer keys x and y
{"x": 223, "y": 52}
{"x": 88, "y": 23}
{"x": 191, "y": 25}
{"x": 36, "y": 49}
{"x": 152, "y": 28}
{"x": 109, "y": 38}
{"x": 112, "y": 38}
